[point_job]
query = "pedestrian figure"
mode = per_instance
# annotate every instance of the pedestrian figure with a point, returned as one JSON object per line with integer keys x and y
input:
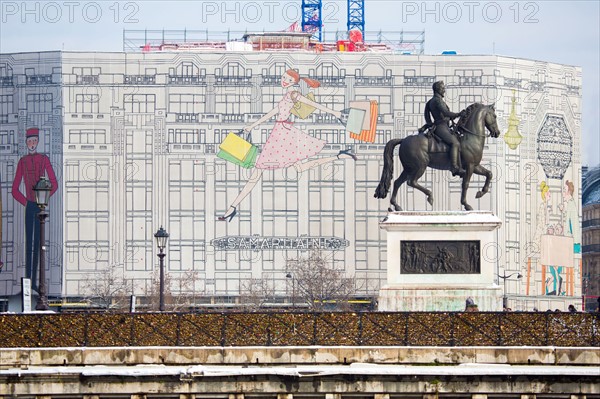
{"x": 470, "y": 305}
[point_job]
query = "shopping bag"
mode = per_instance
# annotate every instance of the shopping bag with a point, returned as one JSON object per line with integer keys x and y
{"x": 366, "y": 106}
{"x": 355, "y": 120}
{"x": 247, "y": 163}
{"x": 236, "y": 146}
{"x": 238, "y": 151}
{"x": 302, "y": 110}
{"x": 369, "y": 130}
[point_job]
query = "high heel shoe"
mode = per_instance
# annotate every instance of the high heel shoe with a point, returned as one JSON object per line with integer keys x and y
{"x": 230, "y": 216}
{"x": 347, "y": 152}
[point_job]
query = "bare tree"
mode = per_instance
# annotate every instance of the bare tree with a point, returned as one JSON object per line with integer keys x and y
{"x": 318, "y": 281}
{"x": 255, "y": 293}
{"x": 184, "y": 284}
{"x": 108, "y": 288}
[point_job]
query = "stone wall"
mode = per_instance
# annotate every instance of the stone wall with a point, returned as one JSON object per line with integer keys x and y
{"x": 301, "y": 372}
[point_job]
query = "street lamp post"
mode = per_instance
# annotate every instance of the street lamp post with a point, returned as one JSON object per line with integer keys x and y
{"x": 161, "y": 242}
{"x": 290, "y": 275}
{"x": 504, "y": 277}
{"x": 42, "y": 195}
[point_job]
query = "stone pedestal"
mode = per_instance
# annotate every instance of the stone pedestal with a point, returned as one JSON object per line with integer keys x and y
{"x": 436, "y": 260}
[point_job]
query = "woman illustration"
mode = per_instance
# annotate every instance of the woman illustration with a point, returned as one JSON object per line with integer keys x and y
{"x": 287, "y": 145}
{"x": 571, "y": 226}
{"x": 554, "y": 284}
{"x": 543, "y": 213}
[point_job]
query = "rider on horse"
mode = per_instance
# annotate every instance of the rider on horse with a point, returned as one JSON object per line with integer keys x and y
{"x": 437, "y": 108}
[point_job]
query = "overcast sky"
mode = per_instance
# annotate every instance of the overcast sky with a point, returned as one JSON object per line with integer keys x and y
{"x": 565, "y": 32}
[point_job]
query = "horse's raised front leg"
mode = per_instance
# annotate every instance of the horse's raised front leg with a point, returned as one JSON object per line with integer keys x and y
{"x": 412, "y": 182}
{"x": 480, "y": 170}
{"x": 465, "y": 186}
{"x": 393, "y": 200}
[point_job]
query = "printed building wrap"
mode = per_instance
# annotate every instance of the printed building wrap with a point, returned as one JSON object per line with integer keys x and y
{"x": 133, "y": 139}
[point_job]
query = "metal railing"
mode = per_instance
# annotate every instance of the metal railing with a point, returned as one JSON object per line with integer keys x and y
{"x": 590, "y": 248}
{"x": 300, "y": 329}
{"x": 134, "y": 40}
{"x": 591, "y": 223}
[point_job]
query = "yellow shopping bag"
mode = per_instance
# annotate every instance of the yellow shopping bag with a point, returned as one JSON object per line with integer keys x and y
{"x": 236, "y": 146}
{"x": 302, "y": 110}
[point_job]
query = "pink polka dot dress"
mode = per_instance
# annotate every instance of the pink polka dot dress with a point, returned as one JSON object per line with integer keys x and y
{"x": 287, "y": 144}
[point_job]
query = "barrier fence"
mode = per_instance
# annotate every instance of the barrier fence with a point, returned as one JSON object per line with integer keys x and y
{"x": 300, "y": 329}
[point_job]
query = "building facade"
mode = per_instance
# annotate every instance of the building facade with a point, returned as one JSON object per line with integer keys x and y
{"x": 133, "y": 138}
{"x": 591, "y": 237}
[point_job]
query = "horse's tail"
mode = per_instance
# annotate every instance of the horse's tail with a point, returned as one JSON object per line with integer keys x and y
{"x": 383, "y": 188}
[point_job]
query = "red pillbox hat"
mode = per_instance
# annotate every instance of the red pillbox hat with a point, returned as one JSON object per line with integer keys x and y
{"x": 32, "y": 132}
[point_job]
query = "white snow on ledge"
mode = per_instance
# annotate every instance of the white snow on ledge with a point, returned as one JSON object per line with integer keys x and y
{"x": 358, "y": 369}
{"x": 441, "y": 219}
{"x": 302, "y": 347}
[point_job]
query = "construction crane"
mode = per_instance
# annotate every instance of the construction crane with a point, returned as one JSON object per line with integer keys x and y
{"x": 313, "y": 22}
{"x": 311, "y": 17}
{"x": 356, "y": 15}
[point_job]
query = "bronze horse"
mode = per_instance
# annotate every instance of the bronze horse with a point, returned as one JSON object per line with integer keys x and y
{"x": 417, "y": 152}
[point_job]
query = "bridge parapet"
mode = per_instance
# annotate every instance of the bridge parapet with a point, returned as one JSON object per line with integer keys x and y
{"x": 296, "y": 355}
{"x": 301, "y": 372}
{"x": 300, "y": 329}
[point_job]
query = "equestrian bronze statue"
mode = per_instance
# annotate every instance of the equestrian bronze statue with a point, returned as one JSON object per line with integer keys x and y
{"x": 419, "y": 151}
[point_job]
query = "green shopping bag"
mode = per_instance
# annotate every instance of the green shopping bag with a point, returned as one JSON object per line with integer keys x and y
{"x": 248, "y": 162}
{"x": 238, "y": 151}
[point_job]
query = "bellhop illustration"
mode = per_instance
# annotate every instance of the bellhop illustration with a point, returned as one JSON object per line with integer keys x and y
{"x": 30, "y": 169}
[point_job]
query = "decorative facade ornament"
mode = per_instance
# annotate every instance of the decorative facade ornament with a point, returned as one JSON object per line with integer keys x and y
{"x": 555, "y": 147}
{"x": 512, "y": 137}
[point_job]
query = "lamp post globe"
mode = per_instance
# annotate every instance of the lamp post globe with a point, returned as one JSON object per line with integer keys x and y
{"x": 42, "y": 191}
{"x": 161, "y": 237}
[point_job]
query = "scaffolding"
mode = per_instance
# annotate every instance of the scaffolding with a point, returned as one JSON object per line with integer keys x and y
{"x": 401, "y": 42}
